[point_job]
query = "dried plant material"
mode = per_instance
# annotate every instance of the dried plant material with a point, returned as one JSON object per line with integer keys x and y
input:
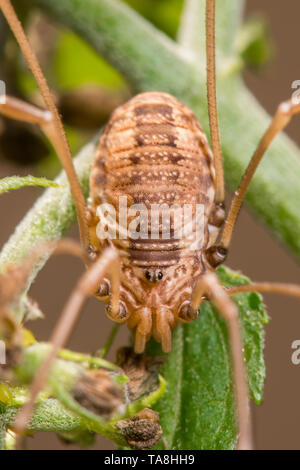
{"x": 143, "y": 431}
{"x": 142, "y": 371}
{"x": 97, "y": 392}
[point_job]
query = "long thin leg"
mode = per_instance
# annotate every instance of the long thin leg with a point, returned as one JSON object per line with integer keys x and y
{"x": 212, "y": 99}
{"x": 54, "y": 128}
{"x": 14, "y": 280}
{"x": 208, "y": 284}
{"x": 284, "y": 114}
{"x": 21, "y": 111}
{"x": 62, "y": 246}
{"x": 86, "y": 286}
{"x": 292, "y": 290}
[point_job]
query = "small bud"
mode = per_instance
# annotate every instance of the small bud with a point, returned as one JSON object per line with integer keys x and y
{"x": 143, "y": 431}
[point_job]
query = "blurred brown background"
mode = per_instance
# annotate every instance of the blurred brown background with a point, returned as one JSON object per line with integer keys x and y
{"x": 253, "y": 251}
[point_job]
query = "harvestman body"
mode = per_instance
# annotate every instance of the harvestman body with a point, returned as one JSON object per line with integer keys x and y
{"x": 154, "y": 152}
{"x": 153, "y": 149}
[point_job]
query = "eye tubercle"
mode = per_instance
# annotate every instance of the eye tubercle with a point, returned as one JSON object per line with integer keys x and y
{"x": 153, "y": 276}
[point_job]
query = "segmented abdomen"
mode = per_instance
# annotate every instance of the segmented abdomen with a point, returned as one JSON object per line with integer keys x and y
{"x": 154, "y": 152}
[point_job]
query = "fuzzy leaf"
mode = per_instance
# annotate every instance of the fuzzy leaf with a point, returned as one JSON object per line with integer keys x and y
{"x": 197, "y": 410}
{"x": 16, "y": 182}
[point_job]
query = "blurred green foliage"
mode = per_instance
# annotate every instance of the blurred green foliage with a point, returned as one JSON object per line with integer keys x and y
{"x": 76, "y": 64}
{"x": 165, "y": 14}
{"x": 254, "y": 42}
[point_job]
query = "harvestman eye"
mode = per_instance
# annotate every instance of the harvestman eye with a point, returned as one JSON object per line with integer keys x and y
{"x": 154, "y": 277}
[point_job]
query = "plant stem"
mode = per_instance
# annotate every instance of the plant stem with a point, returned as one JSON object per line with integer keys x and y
{"x": 16, "y": 182}
{"x": 102, "y": 353}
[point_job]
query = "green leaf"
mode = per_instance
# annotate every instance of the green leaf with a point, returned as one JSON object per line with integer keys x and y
{"x": 197, "y": 409}
{"x": 16, "y": 182}
{"x": 50, "y": 415}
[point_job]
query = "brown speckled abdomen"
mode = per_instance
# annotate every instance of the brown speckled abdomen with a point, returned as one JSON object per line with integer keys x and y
{"x": 153, "y": 151}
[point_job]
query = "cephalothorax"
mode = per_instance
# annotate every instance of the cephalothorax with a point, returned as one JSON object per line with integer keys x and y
{"x": 153, "y": 152}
